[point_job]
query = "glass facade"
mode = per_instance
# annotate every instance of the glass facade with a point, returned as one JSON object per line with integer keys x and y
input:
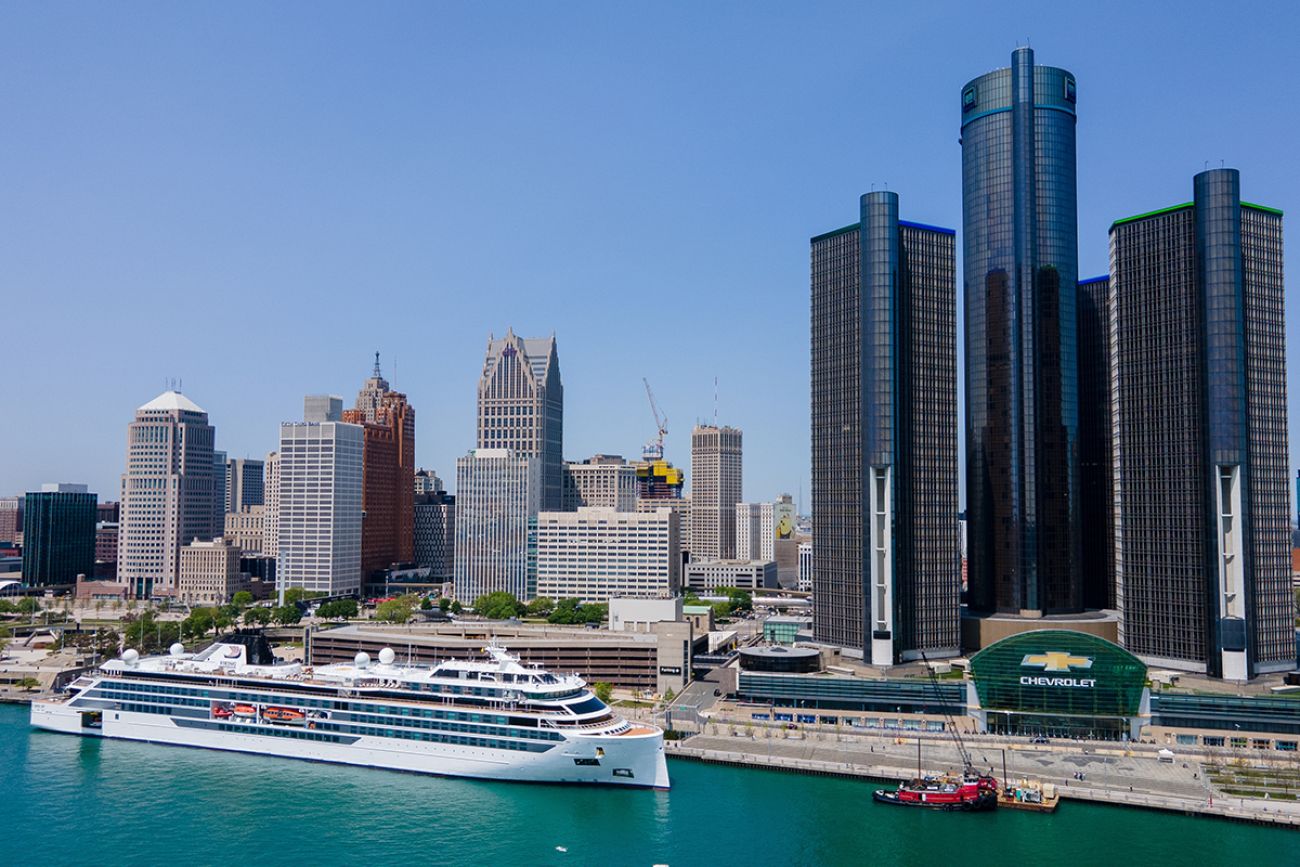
{"x": 1096, "y": 499}
{"x": 1201, "y": 500}
{"x": 58, "y": 537}
{"x": 1053, "y": 681}
{"x": 884, "y": 432}
{"x": 1021, "y": 270}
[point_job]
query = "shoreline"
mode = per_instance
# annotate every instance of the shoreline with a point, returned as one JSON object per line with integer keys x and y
{"x": 1238, "y": 812}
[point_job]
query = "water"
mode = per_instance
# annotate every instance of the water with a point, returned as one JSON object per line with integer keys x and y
{"x": 68, "y": 800}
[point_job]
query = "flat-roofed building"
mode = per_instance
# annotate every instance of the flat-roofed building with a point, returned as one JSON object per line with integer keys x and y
{"x": 595, "y": 554}
{"x": 709, "y": 575}
{"x": 246, "y": 528}
{"x": 601, "y": 481}
{"x": 210, "y": 573}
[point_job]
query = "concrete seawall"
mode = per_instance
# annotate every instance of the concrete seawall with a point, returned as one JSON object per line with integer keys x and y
{"x": 1235, "y": 809}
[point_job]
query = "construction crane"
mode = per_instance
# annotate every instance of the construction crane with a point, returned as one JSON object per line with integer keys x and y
{"x": 654, "y": 449}
{"x": 968, "y": 766}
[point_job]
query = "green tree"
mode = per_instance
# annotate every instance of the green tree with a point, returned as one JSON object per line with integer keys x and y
{"x": 200, "y": 622}
{"x": 721, "y": 610}
{"x": 300, "y": 594}
{"x": 147, "y": 634}
{"x": 4, "y": 640}
{"x": 8, "y": 607}
{"x": 258, "y": 616}
{"x": 604, "y": 691}
{"x": 394, "y": 610}
{"x": 498, "y": 606}
{"x": 443, "y": 604}
{"x": 339, "y": 609}
{"x": 456, "y": 607}
{"x": 29, "y": 605}
{"x": 540, "y": 607}
{"x": 669, "y": 695}
{"x": 242, "y": 599}
{"x": 426, "y": 604}
{"x": 28, "y": 684}
{"x": 286, "y": 615}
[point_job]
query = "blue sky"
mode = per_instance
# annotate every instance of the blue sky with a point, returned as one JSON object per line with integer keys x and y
{"x": 256, "y": 197}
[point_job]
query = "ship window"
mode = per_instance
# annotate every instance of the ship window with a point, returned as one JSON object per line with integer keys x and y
{"x": 624, "y": 772}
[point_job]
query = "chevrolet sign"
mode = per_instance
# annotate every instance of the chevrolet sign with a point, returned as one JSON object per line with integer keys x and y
{"x": 1056, "y": 660}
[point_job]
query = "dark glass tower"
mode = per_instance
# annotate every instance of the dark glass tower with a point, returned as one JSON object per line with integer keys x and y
{"x": 58, "y": 536}
{"x": 1202, "y": 526}
{"x": 1021, "y": 263}
{"x": 1096, "y": 496}
{"x": 884, "y": 436}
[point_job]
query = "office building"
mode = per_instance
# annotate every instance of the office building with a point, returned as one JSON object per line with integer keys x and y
{"x": 715, "y": 490}
{"x": 602, "y": 482}
{"x": 706, "y": 576}
{"x": 1020, "y": 250}
{"x": 168, "y": 491}
{"x": 435, "y": 534}
{"x": 320, "y": 408}
{"x": 1096, "y": 492}
{"x": 106, "y": 542}
{"x": 805, "y": 567}
{"x": 319, "y": 513}
{"x": 271, "y": 505}
{"x": 388, "y": 531}
{"x": 497, "y": 501}
{"x": 246, "y": 529}
{"x": 427, "y": 482}
{"x": 210, "y": 573}
{"x": 595, "y": 554}
{"x": 58, "y": 535}
{"x": 110, "y": 511}
{"x": 682, "y": 507}
{"x": 219, "y": 495}
{"x": 245, "y": 483}
{"x": 1202, "y": 527}
{"x": 521, "y": 407}
{"x": 749, "y": 535}
{"x": 884, "y": 437}
{"x": 11, "y": 519}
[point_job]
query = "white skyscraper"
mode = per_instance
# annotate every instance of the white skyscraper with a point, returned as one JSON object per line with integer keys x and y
{"x": 497, "y": 498}
{"x": 749, "y": 531}
{"x": 318, "y": 524}
{"x": 602, "y": 482}
{"x": 168, "y": 491}
{"x": 271, "y": 499}
{"x": 715, "y": 490}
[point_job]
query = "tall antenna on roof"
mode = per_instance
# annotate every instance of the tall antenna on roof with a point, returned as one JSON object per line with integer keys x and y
{"x": 377, "y": 374}
{"x": 715, "y": 401}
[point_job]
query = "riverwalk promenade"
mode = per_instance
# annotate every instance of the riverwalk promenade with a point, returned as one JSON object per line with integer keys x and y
{"x": 1109, "y": 778}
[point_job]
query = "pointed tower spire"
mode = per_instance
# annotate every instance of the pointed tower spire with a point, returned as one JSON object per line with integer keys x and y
{"x": 377, "y": 374}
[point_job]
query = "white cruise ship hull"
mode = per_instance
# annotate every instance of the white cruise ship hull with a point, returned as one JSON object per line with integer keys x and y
{"x": 634, "y": 759}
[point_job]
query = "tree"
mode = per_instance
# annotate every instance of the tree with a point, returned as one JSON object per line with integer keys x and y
{"x": 286, "y": 615}
{"x": 199, "y": 623}
{"x": 498, "y": 606}
{"x": 604, "y": 691}
{"x": 572, "y": 611}
{"x": 4, "y": 640}
{"x": 259, "y": 616}
{"x": 394, "y": 610}
{"x": 28, "y": 684}
{"x": 426, "y": 604}
{"x": 299, "y": 594}
{"x": 669, "y": 695}
{"x": 8, "y": 607}
{"x": 29, "y": 605}
{"x": 721, "y": 609}
{"x": 147, "y": 634}
{"x": 456, "y": 607}
{"x": 540, "y": 607}
{"x": 339, "y": 609}
{"x": 242, "y": 599}
{"x": 443, "y": 604}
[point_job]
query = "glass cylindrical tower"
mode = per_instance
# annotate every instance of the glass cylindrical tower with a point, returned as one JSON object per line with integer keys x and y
{"x": 1020, "y": 254}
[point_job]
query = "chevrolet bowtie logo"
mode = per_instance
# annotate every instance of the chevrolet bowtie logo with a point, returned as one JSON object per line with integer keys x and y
{"x": 1055, "y": 660}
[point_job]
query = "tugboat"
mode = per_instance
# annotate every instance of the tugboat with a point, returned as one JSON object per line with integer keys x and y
{"x": 968, "y": 792}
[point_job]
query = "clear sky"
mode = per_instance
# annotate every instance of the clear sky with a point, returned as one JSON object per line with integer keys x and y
{"x": 256, "y": 197}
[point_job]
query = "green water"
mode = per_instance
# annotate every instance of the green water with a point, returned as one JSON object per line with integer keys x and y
{"x": 68, "y": 800}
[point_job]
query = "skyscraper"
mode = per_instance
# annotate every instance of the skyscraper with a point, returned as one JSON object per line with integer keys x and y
{"x": 220, "y": 477}
{"x": 497, "y": 494}
{"x": 168, "y": 491}
{"x": 388, "y": 528}
{"x": 435, "y": 534}
{"x": 521, "y": 406}
{"x": 11, "y": 518}
{"x": 1096, "y": 475}
{"x": 319, "y": 514}
{"x": 601, "y": 481}
{"x": 1202, "y": 528}
{"x": 58, "y": 535}
{"x": 716, "y": 485}
{"x": 884, "y": 436}
{"x": 1020, "y": 248}
{"x": 271, "y": 498}
{"x": 245, "y": 483}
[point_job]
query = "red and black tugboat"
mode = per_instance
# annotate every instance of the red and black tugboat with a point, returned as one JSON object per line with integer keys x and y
{"x": 970, "y": 791}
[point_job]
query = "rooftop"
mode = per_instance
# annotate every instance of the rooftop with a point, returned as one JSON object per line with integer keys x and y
{"x": 172, "y": 400}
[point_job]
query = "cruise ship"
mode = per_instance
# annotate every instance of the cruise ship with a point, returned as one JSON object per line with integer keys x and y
{"x": 495, "y": 719}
